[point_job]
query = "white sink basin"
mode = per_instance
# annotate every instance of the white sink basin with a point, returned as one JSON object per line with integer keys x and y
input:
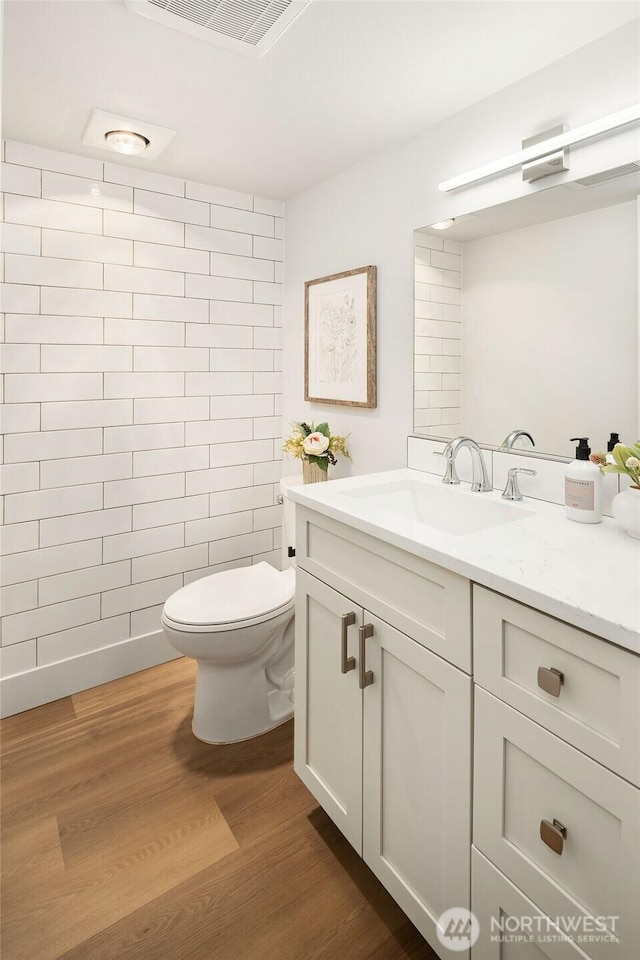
{"x": 450, "y": 508}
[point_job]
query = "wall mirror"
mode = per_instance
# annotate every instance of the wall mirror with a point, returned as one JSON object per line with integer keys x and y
{"x": 526, "y": 318}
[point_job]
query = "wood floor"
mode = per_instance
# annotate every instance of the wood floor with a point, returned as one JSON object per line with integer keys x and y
{"x": 125, "y": 838}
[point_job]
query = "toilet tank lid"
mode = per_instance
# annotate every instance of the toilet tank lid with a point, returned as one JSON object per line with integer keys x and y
{"x": 232, "y": 595}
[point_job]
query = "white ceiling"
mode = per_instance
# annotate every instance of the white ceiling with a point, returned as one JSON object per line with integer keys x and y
{"x": 347, "y": 79}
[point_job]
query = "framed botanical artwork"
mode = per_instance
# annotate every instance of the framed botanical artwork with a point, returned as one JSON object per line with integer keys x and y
{"x": 340, "y": 338}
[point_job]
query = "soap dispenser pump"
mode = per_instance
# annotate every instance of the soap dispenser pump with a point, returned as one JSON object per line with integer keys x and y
{"x": 613, "y": 439}
{"x": 583, "y": 486}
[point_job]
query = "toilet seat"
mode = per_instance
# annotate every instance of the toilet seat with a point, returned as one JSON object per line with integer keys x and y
{"x": 233, "y": 599}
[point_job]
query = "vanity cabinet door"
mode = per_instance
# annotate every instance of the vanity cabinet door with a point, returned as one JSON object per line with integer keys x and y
{"x": 417, "y": 777}
{"x": 328, "y": 728}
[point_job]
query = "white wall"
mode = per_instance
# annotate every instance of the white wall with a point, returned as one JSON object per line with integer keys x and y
{"x": 142, "y": 407}
{"x": 367, "y": 215}
{"x": 550, "y": 323}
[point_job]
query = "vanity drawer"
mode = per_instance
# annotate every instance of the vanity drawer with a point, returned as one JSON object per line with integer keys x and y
{"x": 525, "y": 779}
{"x": 518, "y": 652}
{"x": 430, "y": 604}
{"x": 507, "y": 919}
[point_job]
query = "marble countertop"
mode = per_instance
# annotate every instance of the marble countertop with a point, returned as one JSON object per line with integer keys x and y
{"x": 585, "y": 574}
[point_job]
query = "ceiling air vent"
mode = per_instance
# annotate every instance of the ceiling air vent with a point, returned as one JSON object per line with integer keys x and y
{"x": 250, "y": 27}
{"x": 605, "y": 175}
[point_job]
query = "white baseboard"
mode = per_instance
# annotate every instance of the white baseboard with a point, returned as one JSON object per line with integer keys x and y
{"x": 23, "y": 691}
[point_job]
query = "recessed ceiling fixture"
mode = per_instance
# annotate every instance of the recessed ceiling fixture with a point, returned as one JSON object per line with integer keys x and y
{"x": 553, "y": 145}
{"x": 443, "y": 224}
{"x": 126, "y": 135}
{"x": 126, "y": 141}
{"x": 250, "y": 27}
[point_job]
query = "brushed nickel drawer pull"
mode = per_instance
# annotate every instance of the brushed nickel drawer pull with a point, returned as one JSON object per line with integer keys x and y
{"x": 346, "y": 663}
{"x": 553, "y": 833}
{"x": 365, "y": 676}
{"x": 550, "y": 680}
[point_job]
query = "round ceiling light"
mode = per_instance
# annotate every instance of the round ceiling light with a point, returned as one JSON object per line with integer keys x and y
{"x": 126, "y": 141}
{"x": 443, "y": 224}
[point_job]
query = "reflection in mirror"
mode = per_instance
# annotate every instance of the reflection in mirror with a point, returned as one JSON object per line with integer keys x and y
{"x": 526, "y": 319}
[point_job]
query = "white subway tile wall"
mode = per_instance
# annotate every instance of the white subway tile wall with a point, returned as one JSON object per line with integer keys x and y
{"x": 141, "y": 396}
{"x": 438, "y": 335}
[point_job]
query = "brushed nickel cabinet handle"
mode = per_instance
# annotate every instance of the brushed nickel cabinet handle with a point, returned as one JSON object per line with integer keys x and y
{"x": 550, "y": 680}
{"x": 346, "y": 663}
{"x": 365, "y": 676}
{"x": 553, "y": 833}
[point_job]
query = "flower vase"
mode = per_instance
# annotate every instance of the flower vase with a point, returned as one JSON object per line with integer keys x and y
{"x": 626, "y": 511}
{"x": 311, "y": 472}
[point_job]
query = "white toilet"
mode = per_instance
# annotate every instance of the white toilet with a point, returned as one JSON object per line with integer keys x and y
{"x": 238, "y": 626}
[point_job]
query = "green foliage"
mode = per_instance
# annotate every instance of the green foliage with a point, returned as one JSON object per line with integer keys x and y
{"x": 622, "y": 459}
{"x": 303, "y": 428}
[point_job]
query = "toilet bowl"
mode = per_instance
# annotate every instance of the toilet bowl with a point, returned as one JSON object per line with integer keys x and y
{"x": 238, "y": 626}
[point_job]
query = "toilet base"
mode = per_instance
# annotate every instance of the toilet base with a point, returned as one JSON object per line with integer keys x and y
{"x": 238, "y": 700}
{"x": 259, "y": 733}
{"x": 220, "y": 713}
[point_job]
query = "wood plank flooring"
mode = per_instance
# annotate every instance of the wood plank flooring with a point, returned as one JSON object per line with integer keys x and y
{"x": 125, "y": 838}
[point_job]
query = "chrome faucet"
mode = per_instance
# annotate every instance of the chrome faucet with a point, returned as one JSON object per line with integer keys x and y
{"x": 510, "y": 440}
{"x": 481, "y": 481}
{"x": 512, "y": 490}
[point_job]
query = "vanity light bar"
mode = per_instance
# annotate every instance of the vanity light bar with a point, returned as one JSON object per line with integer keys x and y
{"x": 567, "y": 139}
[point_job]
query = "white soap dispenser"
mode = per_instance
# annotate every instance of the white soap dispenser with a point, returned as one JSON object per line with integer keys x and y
{"x": 583, "y": 486}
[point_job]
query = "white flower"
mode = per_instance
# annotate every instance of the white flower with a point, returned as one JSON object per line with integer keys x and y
{"x": 610, "y": 461}
{"x": 315, "y": 444}
{"x": 632, "y": 463}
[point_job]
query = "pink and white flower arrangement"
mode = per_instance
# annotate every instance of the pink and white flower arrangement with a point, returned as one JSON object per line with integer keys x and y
{"x": 316, "y": 444}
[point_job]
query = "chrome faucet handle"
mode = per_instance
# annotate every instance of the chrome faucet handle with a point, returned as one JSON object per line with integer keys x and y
{"x": 450, "y": 475}
{"x": 512, "y": 490}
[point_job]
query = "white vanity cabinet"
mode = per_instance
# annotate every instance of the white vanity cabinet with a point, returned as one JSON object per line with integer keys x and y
{"x": 383, "y": 724}
{"x": 388, "y": 646}
{"x": 551, "y": 811}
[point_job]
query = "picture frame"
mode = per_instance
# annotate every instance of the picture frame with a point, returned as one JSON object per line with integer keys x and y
{"x": 340, "y": 338}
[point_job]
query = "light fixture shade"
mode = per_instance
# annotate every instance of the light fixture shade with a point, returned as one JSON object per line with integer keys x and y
{"x": 443, "y": 224}
{"x": 126, "y": 141}
{"x": 554, "y": 144}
